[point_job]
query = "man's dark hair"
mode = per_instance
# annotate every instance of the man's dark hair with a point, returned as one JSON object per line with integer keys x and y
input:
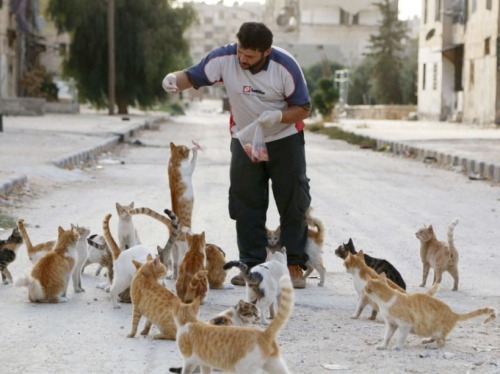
{"x": 255, "y": 35}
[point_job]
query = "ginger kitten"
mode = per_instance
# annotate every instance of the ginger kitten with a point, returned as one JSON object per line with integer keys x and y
{"x": 216, "y": 258}
{"x": 439, "y": 255}
{"x": 421, "y": 314}
{"x": 152, "y": 300}
{"x": 50, "y": 276}
{"x": 239, "y": 349}
{"x": 37, "y": 251}
{"x": 192, "y": 280}
{"x": 180, "y": 178}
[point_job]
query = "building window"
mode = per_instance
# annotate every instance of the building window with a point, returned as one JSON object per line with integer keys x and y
{"x": 471, "y": 73}
{"x": 488, "y": 4}
{"x": 355, "y": 19}
{"x": 425, "y": 12}
{"x": 344, "y": 17}
{"x": 434, "y": 76}
{"x": 209, "y": 21}
{"x": 486, "y": 46}
{"x": 423, "y": 77}
{"x": 437, "y": 16}
{"x": 473, "y": 7}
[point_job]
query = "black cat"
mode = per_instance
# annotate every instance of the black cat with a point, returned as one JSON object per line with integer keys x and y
{"x": 379, "y": 265}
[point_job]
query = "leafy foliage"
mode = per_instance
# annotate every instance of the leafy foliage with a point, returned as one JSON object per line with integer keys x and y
{"x": 386, "y": 52}
{"x": 148, "y": 44}
{"x": 325, "y": 97}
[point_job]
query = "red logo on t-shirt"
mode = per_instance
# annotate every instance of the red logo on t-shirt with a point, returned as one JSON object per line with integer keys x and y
{"x": 247, "y": 89}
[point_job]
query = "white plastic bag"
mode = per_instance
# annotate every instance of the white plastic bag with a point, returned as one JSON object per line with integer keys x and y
{"x": 252, "y": 140}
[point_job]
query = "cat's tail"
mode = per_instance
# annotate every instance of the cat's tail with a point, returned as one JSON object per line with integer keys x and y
{"x": 492, "y": 314}
{"x": 35, "y": 289}
{"x": 451, "y": 242}
{"x": 155, "y": 215}
{"x": 113, "y": 247}
{"x": 174, "y": 234}
{"x": 318, "y": 235}
{"x": 198, "y": 281}
{"x": 252, "y": 279}
{"x": 285, "y": 306}
{"x": 91, "y": 241}
{"x": 434, "y": 289}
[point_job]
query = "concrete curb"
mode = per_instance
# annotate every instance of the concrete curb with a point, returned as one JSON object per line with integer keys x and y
{"x": 483, "y": 169}
{"x": 89, "y": 154}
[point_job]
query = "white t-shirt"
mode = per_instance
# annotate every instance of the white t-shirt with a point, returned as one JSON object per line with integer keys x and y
{"x": 278, "y": 85}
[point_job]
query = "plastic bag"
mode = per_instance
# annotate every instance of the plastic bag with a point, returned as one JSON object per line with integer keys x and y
{"x": 252, "y": 140}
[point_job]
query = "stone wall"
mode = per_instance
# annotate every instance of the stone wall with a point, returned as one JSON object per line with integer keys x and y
{"x": 376, "y": 111}
{"x": 32, "y": 106}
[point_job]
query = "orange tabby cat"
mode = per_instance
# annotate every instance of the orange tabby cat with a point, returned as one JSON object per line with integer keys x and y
{"x": 192, "y": 280}
{"x": 238, "y": 349}
{"x": 37, "y": 251}
{"x": 152, "y": 300}
{"x": 49, "y": 278}
{"x": 362, "y": 273}
{"x": 439, "y": 255}
{"x": 180, "y": 173}
{"x": 421, "y": 314}
{"x": 216, "y": 259}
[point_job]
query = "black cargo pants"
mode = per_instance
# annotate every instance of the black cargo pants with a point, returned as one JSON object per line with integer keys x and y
{"x": 249, "y": 198}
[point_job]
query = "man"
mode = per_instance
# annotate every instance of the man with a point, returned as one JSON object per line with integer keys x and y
{"x": 264, "y": 84}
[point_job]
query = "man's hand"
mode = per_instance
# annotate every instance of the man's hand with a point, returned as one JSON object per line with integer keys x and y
{"x": 269, "y": 118}
{"x": 169, "y": 83}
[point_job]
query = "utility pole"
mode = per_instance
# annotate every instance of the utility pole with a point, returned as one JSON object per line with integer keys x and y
{"x": 111, "y": 56}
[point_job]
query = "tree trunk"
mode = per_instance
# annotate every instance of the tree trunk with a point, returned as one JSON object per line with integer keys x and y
{"x": 122, "y": 104}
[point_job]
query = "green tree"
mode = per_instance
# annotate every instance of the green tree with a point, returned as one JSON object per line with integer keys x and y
{"x": 148, "y": 44}
{"x": 408, "y": 74}
{"x": 360, "y": 88}
{"x": 386, "y": 51}
{"x": 325, "y": 97}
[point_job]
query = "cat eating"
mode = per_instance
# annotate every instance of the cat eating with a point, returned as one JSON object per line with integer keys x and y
{"x": 239, "y": 349}
{"x": 421, "y": 314}
{"x": 439, "y": 255}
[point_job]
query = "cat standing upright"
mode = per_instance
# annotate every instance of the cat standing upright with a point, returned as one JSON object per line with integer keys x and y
{"x": 82, "y": 253}
{"x": 262, "y": 280}
{"x": 377, "y": 264}
{"x": 37, "y": 251}
{"x": 152, "y": 300}
{"x": 180, "y": 178}
{"x": 50, "y": 276}
{"x": 314, "y": 245}
{"x": 127, "y": 233}
{"x": 192, "y": 280}
{"x": 439, "y": 255}
{"x": 8, "y": 250}
{"x": 242, "y": 350}
{"x": 421, "y": 314}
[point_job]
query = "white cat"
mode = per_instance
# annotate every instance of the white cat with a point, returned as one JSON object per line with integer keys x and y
{"x": 96, "y": 247}
{"x": 263, "y": 280}
{"x": 82, "y": 254}
{"x": 127, "y": 234}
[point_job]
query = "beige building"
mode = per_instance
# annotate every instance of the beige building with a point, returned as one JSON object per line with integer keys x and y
{"x": 8, "y": 62}
{"x": 458, "y": 73}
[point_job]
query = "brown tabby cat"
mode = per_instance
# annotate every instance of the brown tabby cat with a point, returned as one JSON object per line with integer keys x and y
{"x": 421, "y": 314}
{"x": 152, "y": 300}
{"x": 439, "y": 255}
{"x": 242, "y": 314}
{"x": 216, "y": 258}
{"x": 49, "y": 278}
{"x": 127, "y": 233}
{"x": 192, "y": 280}
{"x": 180, "y": 178}
{"x": 239, "y": 349}
{"x": 37, "y": 251}
{"x": 8, "y": 250}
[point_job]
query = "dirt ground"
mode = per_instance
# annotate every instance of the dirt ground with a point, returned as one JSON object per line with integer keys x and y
{"x": 378, "y": 200}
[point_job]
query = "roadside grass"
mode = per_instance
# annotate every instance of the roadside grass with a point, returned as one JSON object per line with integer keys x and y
{"x": 7, "y": 222}
{"x": 334, "y": 132}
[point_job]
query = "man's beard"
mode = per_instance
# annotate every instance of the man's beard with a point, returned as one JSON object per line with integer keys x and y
{"x": 251, "y": 67}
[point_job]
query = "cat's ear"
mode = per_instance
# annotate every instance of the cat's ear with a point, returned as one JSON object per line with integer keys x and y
{"x": 131, "y": 205}
{"x": 383, "y": 276}
{"x": 350, "y": 242}
{"x": 60, "y": 230}
{"x": 283, "y": 250}
{"x": 149, "y": 257}
{"x": 361, "y": 253}
{"x": 159, "y": 249}
{"x": 137, "y": 264}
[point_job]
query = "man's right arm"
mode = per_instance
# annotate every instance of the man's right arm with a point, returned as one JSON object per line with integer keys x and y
{"x": 176, "y": 81}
